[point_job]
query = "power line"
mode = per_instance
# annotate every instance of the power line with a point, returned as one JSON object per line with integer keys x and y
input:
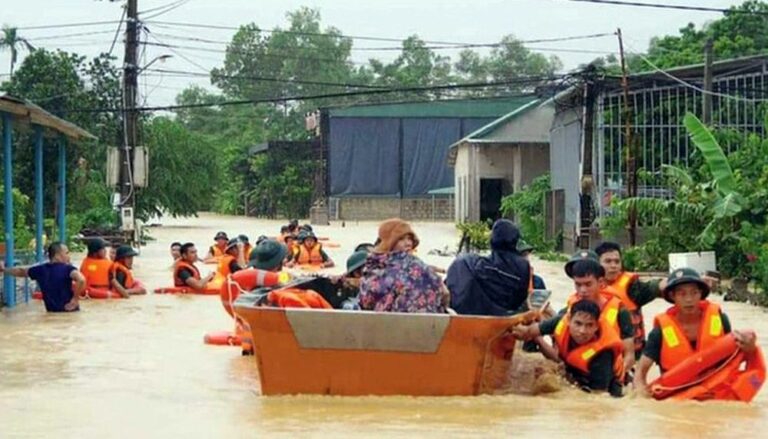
{"x": 316, "y": 34}
{"x": 268, "y": 79}
{"x": 169, "y": 8}
{"x": 669, "y": 6}
{"x": 61, "y": 36}
{"x": 439, "y": 47}
{"x": 60, "y": 26}
{"x": 157, "y": 8}
{"x": 117, "y": 33}
{"x": 307, "y": 97}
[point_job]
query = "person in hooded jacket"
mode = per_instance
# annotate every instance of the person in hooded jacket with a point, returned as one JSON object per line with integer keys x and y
{"x": 494, "y": 285}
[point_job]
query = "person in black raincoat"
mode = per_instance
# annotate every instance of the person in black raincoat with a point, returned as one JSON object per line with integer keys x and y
{"x": 495, "y": 285}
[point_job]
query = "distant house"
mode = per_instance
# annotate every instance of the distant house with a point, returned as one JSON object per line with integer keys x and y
{"x": 589, "y": 154}
{"x": 499, "y": 159}
{"x": 387, "y": 160}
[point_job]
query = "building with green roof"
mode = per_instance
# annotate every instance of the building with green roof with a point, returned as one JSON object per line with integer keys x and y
{"x": 384, "y": 160}
{"x": 500, "y": 158}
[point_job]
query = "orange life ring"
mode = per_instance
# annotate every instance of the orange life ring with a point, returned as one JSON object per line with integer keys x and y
{"x": 296, "y": 298}
{"x": 715, "y": 373}
{"x": 37, "y": 295}
{"x": 207, "y": 291}
{"x": 101, "y": 293}
{"x": 222, "y": 338}
{"x": 138, "y": 284}
{"x": 309, "y": 267}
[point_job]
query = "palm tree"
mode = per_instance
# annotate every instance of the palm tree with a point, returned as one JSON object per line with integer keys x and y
{"x": 11, "y": 40}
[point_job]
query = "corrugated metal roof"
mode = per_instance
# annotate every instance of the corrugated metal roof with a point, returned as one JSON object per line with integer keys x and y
{"x": 464, "y": 108}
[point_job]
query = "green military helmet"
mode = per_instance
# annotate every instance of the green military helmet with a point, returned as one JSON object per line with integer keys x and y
{"x": 682, "y": 276}
{"x": 579, "y": 256}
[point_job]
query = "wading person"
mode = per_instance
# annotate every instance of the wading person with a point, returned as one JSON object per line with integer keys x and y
{"x": 185, "y": 274}
{"x": 60, "y": 282}
{"x": 692, "y": 325}
{"x": 394, "y": 280}
{"x": 95, "y": 267}
{"x": 218, "y": 249}
{"x": 121, "y": 274}
{"x": 591, "y": 350}
{"x": 588, "y": 279}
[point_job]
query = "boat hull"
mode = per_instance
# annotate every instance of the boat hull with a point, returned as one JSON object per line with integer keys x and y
{"x": 305, "y": 351}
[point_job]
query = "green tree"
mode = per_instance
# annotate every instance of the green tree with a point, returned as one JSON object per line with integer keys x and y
{"x": 183, "y": 171}
{"x": 11, "y": 41}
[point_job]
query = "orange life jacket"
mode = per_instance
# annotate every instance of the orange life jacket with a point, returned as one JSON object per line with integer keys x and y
{"x": 675, "y": 346}
{"x": 96, "y": 272}
{"x": 181, "y": 264}
{"x": 620, "y": 289}
{"x": 609, "y": 312}
{"x": 118, "y": 266}
{"x": 296, "y": 298}
{"x": 223, "y": 268}
{"x": 217, "y": 251}
{"x": 581, "y": 356}
{"x": 311, "y": 256}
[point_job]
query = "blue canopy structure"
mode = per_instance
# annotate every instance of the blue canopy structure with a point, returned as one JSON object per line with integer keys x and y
{"x": 14, "y": 111}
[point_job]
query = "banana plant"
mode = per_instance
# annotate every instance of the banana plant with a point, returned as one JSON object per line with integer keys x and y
{"x": 697, "y": 201}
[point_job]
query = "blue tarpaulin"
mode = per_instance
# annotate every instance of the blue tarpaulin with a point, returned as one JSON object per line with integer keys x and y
{"x": 365, "y": 153}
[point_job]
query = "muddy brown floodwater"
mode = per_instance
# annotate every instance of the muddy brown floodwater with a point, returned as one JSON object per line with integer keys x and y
{"x": 139, "y": 368}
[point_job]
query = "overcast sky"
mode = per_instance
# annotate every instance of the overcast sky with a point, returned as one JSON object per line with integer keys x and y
{"x": 470, "y": 21}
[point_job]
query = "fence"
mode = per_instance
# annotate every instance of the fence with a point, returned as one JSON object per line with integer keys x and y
{"x": 659, "y": 133}
{"x": 22, "y": 288}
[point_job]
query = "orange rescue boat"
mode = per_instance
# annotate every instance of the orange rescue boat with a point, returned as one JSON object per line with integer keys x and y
{"x": 367, "y": 353}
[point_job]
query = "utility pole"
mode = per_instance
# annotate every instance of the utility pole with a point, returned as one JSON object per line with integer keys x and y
{"x": 631, "y": 165}
{"x": 707, "y": 95}
{"x": 130, "y": 115}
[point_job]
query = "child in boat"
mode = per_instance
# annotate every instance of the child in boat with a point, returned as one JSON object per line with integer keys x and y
{"x": 692, "y": 325}
{"x": 121, "y": 275}
{"x": 394, "y": 280}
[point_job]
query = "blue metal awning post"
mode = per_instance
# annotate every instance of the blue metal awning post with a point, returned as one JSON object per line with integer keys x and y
{"x": 38, "y": 193}
{"x": 9, "y": 282}
{"x": 62, "y": 220}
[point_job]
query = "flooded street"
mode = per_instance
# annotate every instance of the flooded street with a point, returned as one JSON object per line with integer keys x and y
{"x": 139, "y": 368}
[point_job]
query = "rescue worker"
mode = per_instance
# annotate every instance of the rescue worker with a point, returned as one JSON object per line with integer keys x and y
{"x": 524, "y": 249}
{"x": 589, "y": 280}
{"x": 233, "y": 259}
{"x": 310, "y": 252}
{"x": 95, "y": 267}
{"x": 691, "y": 325}
{"x": 185, "y": 274}
{"x": 591, "y": 350}
{"x": 218, "y": 249}
{"x": 293, "y": 227}
{"x": 632, "y": 292}
{"x": 247, "y": 247}
{"x": 121, "y": 275}
{"x": 176, "y": 251}
{"x": 55, "y": 279}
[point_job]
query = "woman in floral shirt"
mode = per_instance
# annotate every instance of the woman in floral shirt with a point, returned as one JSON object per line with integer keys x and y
{"x": 394, "y": 280}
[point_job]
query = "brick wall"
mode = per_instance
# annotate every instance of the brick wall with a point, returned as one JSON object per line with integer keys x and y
{"x": 414, "y": 209}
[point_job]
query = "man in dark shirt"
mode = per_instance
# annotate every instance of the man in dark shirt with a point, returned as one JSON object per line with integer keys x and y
{"x": 55, "y": 279}
{"x": 185, "y": 272}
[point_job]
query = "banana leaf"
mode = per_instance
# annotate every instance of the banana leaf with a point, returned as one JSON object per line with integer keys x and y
{"x": 713, "y": 154}
{"x": 678, "y": 174}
